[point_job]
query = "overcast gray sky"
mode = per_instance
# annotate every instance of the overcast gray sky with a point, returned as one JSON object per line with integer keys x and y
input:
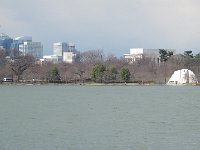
{"x": 112, "y": 25}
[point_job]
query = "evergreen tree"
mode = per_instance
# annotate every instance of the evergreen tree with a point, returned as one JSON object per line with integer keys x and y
{"x": 111, "y": 73}
{"x": 54, "y": 74}
{"x": 165, "y": 55}
{"x": 125, "y": 74}
{"x": 97, "y": 72}
{"x": 188, "y": 54}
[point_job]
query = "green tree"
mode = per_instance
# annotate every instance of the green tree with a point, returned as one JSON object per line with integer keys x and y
{"x": 111, "y": 73}
{"x": 197, "y": 56}
{"x": 54, "y": 74}
{"x": 125, "y": 74}
{"x": 189, "y": 59}
{"x": 165, "y": 55}
{"x": 97, "y": 72}
{"x": 188, "y": 54}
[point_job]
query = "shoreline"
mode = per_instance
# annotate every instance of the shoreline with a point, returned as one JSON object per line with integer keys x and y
{"x": 90, "y": 84}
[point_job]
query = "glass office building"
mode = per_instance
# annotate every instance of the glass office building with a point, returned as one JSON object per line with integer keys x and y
{"x": 31, "y": 48}
{"x": 59, "y": 48}
{"x": 5, "y": 43}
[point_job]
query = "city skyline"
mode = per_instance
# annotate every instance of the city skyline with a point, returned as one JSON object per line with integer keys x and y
{"x": 113, "y": 26}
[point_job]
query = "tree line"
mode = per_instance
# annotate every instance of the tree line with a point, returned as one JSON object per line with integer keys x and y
{"x": 95, "y": 66}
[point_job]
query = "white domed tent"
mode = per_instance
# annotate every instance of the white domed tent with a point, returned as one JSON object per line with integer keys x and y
{"x": 183, "y": 76}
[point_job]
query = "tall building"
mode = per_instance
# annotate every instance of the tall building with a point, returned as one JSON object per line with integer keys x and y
{"x": 71, "y": 47}
{"x": 59, "y": 48}
{"x": 66, "y": 51}
{"x": 16, "y": 42}
{"x": 5, "y": 43}
{"x": 31, "y": 48}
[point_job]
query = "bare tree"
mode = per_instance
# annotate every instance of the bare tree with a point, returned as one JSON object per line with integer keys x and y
{"x": 92, "y": 56}
{"x": 20, "y": 64}
{"x": 2, "y": 57}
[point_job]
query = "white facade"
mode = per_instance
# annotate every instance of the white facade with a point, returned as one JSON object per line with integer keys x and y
{"x": 139, "y": 53}
{"x": 59, "y": 48}
{"x": 51, "y": 58}
{"x": 69, "y": 57}
{"x": 183, "y": 76}
{"x": 136, "y": 51}
{"x": 31, "y": 48}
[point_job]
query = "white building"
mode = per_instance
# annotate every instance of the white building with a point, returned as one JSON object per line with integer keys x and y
{"x": 181, "y": 77}
{"x": 69, "y": 57}
{"x": 139, "y": 53}
{"x": 51, "y": 58}
{"x": 31, "y": 48}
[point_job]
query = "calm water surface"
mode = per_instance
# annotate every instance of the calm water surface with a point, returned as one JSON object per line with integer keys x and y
{"x": 99, "y": 118}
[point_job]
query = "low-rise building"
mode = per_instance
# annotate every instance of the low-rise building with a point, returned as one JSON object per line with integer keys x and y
{"x": 69, "y": 57}
{"x": 139, "y": 53}
{"x": 51, "y": 58}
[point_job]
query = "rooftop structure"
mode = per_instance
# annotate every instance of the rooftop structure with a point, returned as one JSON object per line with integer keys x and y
{"x": 22, "y": 39}
{"x": 4, "y": 36}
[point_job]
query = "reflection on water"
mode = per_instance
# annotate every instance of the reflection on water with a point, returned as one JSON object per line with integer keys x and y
{"x": 99, "y": 117}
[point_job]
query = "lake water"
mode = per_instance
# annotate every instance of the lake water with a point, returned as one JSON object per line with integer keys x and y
{"x": 62, "y": 117}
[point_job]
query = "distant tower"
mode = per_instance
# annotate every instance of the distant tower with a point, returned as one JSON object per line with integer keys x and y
{"x": 31, "y": 48}
{"x": 17, "y": 42}
{"x": 5, "y": 43}
{"x": 66, "y": 51}
{"x": 71, "y": 47}
{"x": 59, "y": 48}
